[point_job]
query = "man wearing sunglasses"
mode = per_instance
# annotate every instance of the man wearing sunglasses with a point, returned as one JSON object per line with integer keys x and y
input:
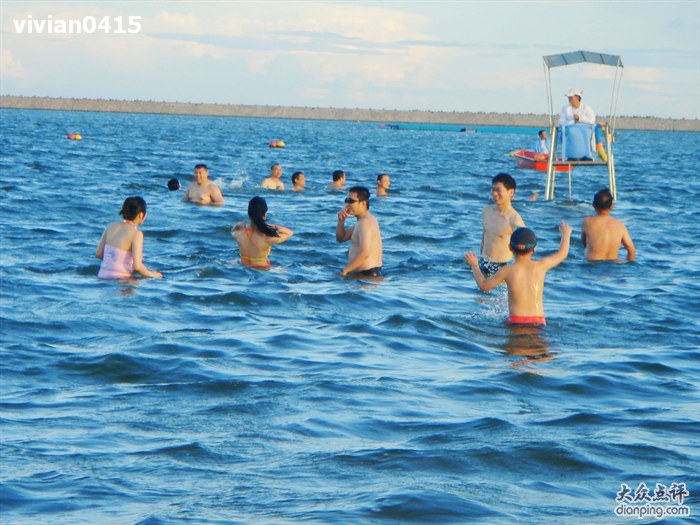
{"x": 365, "y": 254}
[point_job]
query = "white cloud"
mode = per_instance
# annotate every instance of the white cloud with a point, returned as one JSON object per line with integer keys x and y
{"x": 9, "y": 66}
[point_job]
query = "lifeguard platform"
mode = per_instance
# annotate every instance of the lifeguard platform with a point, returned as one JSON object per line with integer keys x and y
{"x": 577, "y": 141}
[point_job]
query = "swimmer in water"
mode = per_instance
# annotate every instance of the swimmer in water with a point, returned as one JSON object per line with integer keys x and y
{"x": 298, "y": 181}
{"x": 274, "y": 181}
{"x": 338, "y": 181}
{"x": 255, "y": 241}
{"x": 174, "y": 185}
{"x": 121, "y": 246}
{"x": 525, "y": 277}
{"x": 499, "y": 222}
{"x": 602, "y": 234}
{"x": 202, "y": 190}
{"x": 365, "y": 254}
{"x": 383, "y": 183}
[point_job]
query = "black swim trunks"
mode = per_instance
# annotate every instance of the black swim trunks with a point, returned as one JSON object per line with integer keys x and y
{"x": 488, "y": 268}
{"x": 372, "y": 272}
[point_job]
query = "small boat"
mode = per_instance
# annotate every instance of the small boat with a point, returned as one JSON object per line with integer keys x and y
{"x": 525, "y": 160}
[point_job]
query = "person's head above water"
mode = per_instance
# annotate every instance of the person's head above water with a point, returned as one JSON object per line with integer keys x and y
{"x": 362, "y": 194}
{"x": 132, "y": 207}
{"x": 603, "y": 200}
{"x": 523, "y": 240}
{"x": 338, "y": 175}
{"x": 505, "y": 179}
{"x": 257, "y": 211}
{"x": 174, "y": 185}
{"x": 296, "y": 176}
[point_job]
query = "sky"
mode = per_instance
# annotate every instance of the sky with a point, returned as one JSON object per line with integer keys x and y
{"x": 478, "y": 56}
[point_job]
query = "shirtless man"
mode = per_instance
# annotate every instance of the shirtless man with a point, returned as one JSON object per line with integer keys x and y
{"x": 383, "y": 183}
{"x": 274, "y": 181}
{"x": 602, "y": 234}
{"x": 365, "y": 254}
{"x": 338, "y": 181}
{"x": 525, "y": 277}
{"x": 298, "y": 181}
{"x": 202, "y": 190}
{"x": 500, "y": 220}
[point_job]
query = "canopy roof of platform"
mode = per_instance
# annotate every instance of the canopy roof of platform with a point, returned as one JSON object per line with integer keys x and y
{"x": 579, "y": 57}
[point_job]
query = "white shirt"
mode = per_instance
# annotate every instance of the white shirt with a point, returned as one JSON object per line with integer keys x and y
{"x": 585, "y": 115}
{"x": 542, "y": 146}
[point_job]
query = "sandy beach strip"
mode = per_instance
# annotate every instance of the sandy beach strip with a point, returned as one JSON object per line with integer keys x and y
{"x": 320, "y": 113}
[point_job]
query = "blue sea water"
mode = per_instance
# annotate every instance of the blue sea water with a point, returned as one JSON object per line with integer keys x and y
{"x": 222, "y": 394}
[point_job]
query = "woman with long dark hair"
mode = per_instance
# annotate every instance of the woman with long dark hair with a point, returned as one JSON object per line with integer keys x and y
{"x": 255, "y": 241}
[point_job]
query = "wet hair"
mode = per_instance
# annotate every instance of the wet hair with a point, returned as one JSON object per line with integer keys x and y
{"x": 201, "y": 166}
{"x": 523, "y": 240}
{"x": 362, "y": 194}
{"x": 603, "y": 200}
{"x": 379, "y": 177}
{"x": 296, "y": 175}
{"x": 174, "y": 185}
{"x": 337, "y": 175}
{"x": 257, "y": 208}
{"x": 505, "y": 179}
{"x": 132, "y": 207}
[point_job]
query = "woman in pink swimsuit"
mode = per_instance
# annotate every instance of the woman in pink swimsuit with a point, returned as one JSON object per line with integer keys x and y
{"x": 121, "y": 246}
{"x": 255, "y": 241}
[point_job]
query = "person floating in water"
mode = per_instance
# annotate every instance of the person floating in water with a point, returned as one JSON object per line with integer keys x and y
{"x": 174, "y": 185}
{"x": 365, "y": 254}
{"x": 202, "y": 190}
{"x": 298, "y": 181}
{"x": 255, "y": 241}
{"x": 525, "y": 277}
{"x": 338, "y": 181}
{"x": 383, "y": 183}
{"x": 274, "y": 181}
{"x": 121, "y": 245}
{"x": 499, "y": 221}
{"x": 602, "y": 234}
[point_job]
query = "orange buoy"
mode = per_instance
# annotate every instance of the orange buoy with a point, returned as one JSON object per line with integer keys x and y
{"x": 75, "y": 136}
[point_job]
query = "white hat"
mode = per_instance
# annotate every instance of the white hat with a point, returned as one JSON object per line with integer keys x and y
{"x": 574, "y": 91}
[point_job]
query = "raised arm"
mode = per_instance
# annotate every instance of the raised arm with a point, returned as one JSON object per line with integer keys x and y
{"x": 284, "y": 234}
{"x": 562, "y": 253}
{"x": 343, "y": 234}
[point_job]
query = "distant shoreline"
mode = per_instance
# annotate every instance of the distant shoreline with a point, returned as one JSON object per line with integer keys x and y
{"x": 318, "y": 113}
